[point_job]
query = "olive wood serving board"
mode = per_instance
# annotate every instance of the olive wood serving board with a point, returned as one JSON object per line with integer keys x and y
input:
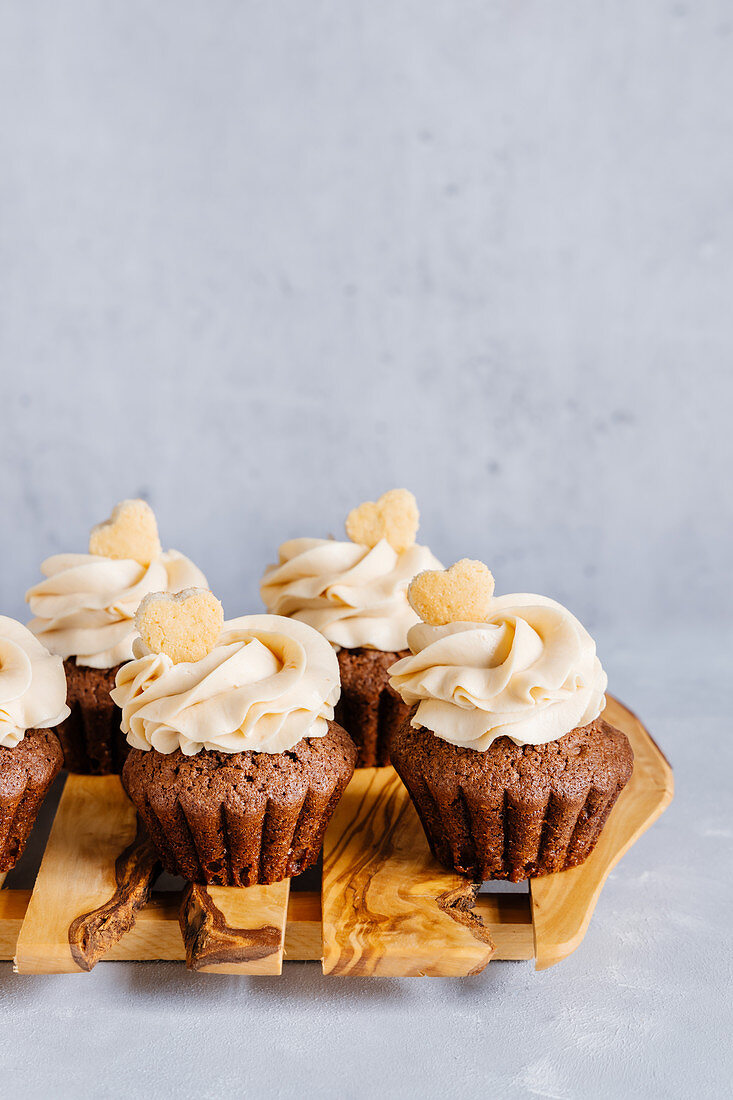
{"x": 563, "y": 904}
{"x": 385, "y": 908}
{"x": 230, "y": 931}
{"x": 388, "y": 908}
{"x": 92, "y": 879}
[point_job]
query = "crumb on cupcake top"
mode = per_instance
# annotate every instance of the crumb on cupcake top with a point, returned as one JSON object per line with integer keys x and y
{"x": 355, "y": 592}
{"x": 483, "y": 667}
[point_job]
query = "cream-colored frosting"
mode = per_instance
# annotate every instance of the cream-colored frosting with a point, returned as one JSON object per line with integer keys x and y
{"x": 85, "y": 608}
{"x": 32, "y": 684}
{"x": 354, "y": 595}
{"x": 530, "y": 673}
{"x": 268, "y": 682}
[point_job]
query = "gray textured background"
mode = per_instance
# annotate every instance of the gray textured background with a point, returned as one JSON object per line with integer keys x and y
{"x": 259, "y": 262}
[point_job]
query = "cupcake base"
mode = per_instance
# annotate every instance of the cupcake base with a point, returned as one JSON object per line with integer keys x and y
{"x": 239, "y": 819}
{"x": 369, "y": 709}
{"x": 26, "y": 774}
{"x": 513, "y": 812}
{"x": 91, "y": 737}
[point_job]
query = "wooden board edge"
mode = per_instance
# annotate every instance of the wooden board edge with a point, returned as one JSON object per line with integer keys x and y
{"x": 234, "y": 930}
{"x": 548, "y": 955}
{"x": 92, "y": 934}
{"x": 388, "y": 909}
{"x": 156, "y": 936}
{"x": 302, "y": 933}
{"x": 93, "y": 827}
{"x": 665, "y": 785}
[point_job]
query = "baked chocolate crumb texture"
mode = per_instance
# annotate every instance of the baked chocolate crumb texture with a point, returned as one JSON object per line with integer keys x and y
{"x": 511, "y": 768}
{"x": 235, "y": 762}
{"x": 84, "y": 612}
{"x": 32, "y": 699}
{"x": 355, "y": 593}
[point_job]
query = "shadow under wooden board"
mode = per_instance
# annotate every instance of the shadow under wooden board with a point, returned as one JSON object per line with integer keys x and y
{"x": 385, "y": 907}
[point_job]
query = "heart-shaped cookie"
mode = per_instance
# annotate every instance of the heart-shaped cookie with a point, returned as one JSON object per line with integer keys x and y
{"x": 130, "y": 532}
{"x": 184, "y": 625}
{"x": 393, "y": 517}
{"x": 461, "y": 594}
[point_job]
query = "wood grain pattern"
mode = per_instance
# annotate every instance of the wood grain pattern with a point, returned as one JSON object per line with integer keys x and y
{"x": 509, "y": 920}
{"x": 156, "y": 934}
{"x": 563, "y": 903}
{"x": 380, "y": 888}
{"x": 92, "y": 934}
{"x": 234, "y": 930}
{"x": 13, "y": 906}
{"x": 94, "y": 823}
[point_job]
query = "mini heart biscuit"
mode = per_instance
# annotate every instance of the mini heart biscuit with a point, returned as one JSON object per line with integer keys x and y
{"x": 461, "y": 594}
{"x": 130, "y": 532}
{"x": 184, "y": 625}
{"x": 393, "y": 517}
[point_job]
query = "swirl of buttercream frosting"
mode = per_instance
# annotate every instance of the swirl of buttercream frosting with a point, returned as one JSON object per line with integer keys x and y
{"x": 354, "y": 595}
{"x": 530, "y": 673}
{"x": 32, "y": 684}
{"x": 268, "y": 682}
{"x": 85, "y": 607}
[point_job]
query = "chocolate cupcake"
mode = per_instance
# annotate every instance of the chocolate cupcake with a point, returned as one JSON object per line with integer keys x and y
{"x": 355, "y": 594}
{"x": 511, "y": 769}
{"x": 32, "y": 694}
{"x": 236, "y": 764}
{"x": 84, "y": 612}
